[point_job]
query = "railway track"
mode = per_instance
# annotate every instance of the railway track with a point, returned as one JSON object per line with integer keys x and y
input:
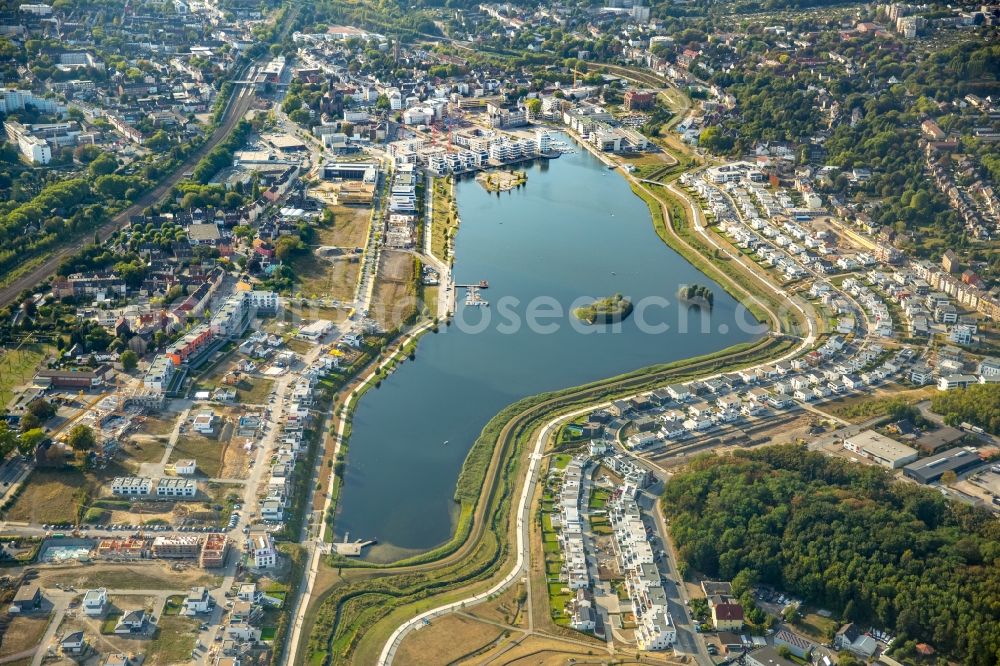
{"x": 241, "y": 98}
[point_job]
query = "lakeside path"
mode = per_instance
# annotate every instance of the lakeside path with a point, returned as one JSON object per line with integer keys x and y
{"x": 520, "y": 565}
{"x": 523, "y": 523}
{"x": 527, "y": 417}
{"x": 316, "y": 556}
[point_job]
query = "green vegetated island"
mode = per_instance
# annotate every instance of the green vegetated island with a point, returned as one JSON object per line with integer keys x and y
{"x": 847, "y": 538}
{"x": 607, "y": 310}
{"x": 501, "y": 181}
{"x": 696, "y": 294}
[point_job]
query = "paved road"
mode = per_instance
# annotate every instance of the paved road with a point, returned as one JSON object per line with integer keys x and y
{"x": 523, "y": 523}
{"x": 521, "y": 563}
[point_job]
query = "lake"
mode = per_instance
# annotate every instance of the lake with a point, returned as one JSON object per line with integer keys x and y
{"x": 575, "y": 230}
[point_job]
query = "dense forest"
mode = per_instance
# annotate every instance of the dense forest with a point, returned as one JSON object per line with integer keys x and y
{"x": 847, "y": 538}
{"x": 979, "y": 405}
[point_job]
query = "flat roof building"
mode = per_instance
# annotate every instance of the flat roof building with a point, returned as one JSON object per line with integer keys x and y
{"x": 929, "y": 470}
{"x": 886, "y": 452}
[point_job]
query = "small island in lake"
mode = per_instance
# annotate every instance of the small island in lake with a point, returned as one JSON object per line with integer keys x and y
{"x": 501, "y": 181}
{"x": 607, "y": 310}
{"x": 696, "y": 294}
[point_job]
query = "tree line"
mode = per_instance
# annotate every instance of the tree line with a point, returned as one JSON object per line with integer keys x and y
{"x": 847, "y": 538}
{"x": 979, "y": 405}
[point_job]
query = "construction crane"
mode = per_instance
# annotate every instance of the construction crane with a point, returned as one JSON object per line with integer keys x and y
{"x": 435, "y": 137}
{"x": 86, "y": 409}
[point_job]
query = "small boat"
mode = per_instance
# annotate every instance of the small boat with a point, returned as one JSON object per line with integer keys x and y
{"x": 613, "y": 273}
{"x": 446, "y": 441}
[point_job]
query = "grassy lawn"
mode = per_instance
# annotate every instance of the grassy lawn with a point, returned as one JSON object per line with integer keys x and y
{"x": 145, "y": 449}
{"x": 174, "y": 604}
{"x": 157, "y": 426}
{"x": 16, "y": 368}
{"x": 175, "y": 638}
{"x": 23, "y": 633}
{"x": 50, "y": 496}
{"x": 445, "y": 221}
{"x": 213, "y": 376}
{"x": 546, "y": 522}
{"x": 255, "y": 391}
{"x": 561, "y": 460}
{"x": 110, "y": 622}
{"x": 206, "y": 451}
{"x": 572, "y": 431}
{"x": 598, "y": 499}
{"x": 298, "y": 346}
{"x": 557, "y": 603}
{"x": 816, "y": 627}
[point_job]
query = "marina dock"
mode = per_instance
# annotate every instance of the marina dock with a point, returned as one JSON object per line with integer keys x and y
{"x": 473, "y": 297}
{"x": 351, "y": 548}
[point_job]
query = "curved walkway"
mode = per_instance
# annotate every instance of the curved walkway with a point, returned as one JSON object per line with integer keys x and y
{"x": 309, "y": 580}
{"x": 520, "y": 565}
{"x": 388, "y": 652}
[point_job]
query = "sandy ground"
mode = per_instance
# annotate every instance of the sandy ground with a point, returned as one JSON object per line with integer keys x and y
{"x": 445, "y": 640}
{"x": 395, "y": 290}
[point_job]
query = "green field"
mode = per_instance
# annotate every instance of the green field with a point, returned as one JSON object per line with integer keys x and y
{"x": 175, "y": 638}
{"x": 445, "y": 221}
{"x": 174, "y": 604}
{"x": 17, "y": 368}
{"x": 205, "y": 450}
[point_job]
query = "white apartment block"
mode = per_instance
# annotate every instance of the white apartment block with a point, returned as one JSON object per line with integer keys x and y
{"x": 131, "y": 485}
{"x": 173, "y": 487}
{"x": 262, "y": 551}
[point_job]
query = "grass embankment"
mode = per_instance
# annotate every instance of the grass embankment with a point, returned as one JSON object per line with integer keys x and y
{"x": 353, "y": 617}
{"x": 730, "y": 275}
{"x": 445, "y": 222}
{"x": 356, "y": 614}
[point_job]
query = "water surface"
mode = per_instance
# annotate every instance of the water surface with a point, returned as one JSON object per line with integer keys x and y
{"x": 574, "y": 230}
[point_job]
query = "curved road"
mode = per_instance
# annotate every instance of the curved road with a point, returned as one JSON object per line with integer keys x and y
{"x": 523, "y": 523}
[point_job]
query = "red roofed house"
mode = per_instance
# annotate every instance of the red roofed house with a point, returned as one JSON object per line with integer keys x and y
{"x": 727, "y": 617}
